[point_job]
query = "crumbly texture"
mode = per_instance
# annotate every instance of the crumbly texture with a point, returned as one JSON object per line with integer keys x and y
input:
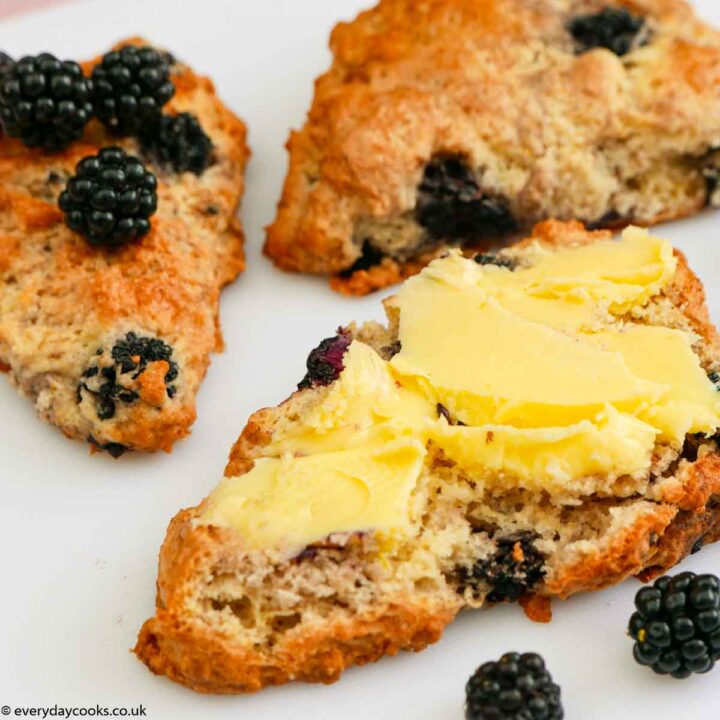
{"x": 229, "y": 620}
{"x": 65, "y": 305}
{"x": 490, "y": 111}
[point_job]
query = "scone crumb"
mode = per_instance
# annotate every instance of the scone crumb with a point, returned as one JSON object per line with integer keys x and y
{"x": 153, "y": 389}
{"x": 538, "y": 608}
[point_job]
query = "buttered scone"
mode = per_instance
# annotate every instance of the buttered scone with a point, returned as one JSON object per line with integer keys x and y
{"x": 530, "y": 424}
{"x": 464, "y": 121}
{"x": 115, "y": 242}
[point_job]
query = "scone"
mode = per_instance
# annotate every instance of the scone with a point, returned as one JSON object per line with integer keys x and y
{"x": 111, "y": 343}
{"x": 530, "y": 424}
{"x": 466, "y": 121}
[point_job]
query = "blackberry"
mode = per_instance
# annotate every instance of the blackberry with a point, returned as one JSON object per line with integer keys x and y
{"x": 130, "y": 87}
{"x": 325, "y": 362}
{"x": 490, "y": 258}
{"x": 513, "y": 570}
{"x": 369, "y": 257}
{"x": 516, "y": 687}
{"x": 114, "y": 449}
{"x": 676, "y": 627}
{"x": 110, "y": 376}
{"x": 44, "y": 101}
{"x": 110, "y": 199}
{"x": 451, "y": 205}
{"x": 179, "y": 142}
{"x": 6, "y": 63}
{"x": 615, "y": 29}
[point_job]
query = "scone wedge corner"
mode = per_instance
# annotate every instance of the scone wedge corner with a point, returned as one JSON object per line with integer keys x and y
{"x": 529, "y": 424}
{"x": 468, "y": 121}
{"x": 111, "y": 345}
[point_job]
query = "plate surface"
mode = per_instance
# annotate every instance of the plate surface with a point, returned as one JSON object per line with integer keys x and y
{"x": 80, "y": 534}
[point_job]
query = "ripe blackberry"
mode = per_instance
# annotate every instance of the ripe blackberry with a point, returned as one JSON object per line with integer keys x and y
{"x": 676, "y": 627}
{"x": 130, "y": 87}
{"x": 615, "y": 29}
{"x": 451, "y": 205}
{"x": 6, "y": 63}
{"x": 514, "y": 569}
{"x": 325, "y": 362}
{"x": 110, "y": 377}
{"x": 45, "y": 102}
{"x": 179, "y": 142}
{"x": 110, "y": 199}
{"x": 516, "y": 687}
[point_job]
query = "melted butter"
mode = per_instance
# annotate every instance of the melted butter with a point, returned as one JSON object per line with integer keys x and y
{"x": 550, "y": 382}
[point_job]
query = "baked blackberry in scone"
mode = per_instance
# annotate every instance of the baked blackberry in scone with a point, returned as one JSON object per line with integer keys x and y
{"x": 114, "y": 248}
{"x": 465, "y": 121}
{"x": 529, "y": 425}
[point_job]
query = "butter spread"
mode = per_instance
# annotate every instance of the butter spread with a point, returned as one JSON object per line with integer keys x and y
{"x": 290, "y": 501}
{"x": 544, "y": 376}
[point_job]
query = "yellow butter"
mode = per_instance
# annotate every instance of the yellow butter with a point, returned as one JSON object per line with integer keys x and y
{"x": 613, "y": 444}
{"x": 290, "y": 502}
{"x": 492, "y": 365}
{"x": 546, "y": 382}
{"x": 664, "y": 356}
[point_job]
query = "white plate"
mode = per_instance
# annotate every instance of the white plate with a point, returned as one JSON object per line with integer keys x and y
{"x": 80, "y": 534}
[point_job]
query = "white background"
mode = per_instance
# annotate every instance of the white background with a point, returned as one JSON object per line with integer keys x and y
{"x": 79, "y": 535}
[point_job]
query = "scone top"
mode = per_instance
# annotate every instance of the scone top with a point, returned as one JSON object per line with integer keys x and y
{"x": 535, "y": 376}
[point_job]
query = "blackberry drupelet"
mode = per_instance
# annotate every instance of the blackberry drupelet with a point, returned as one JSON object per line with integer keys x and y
{"x": 451, "y": 205}
{"x": 178, "y": 141}
{"x": 44, "y": 101}
{"x": 325, "y": 362}
{"x": 516, "y": 687}
{"x": 110, "y": 199}
{"x": 130, "y": 87}
{"x": 6, "y": 63}
{"x": 676, "y": 627}
{"x": 615, "y": 29}
{"x": 513, "y": 570}
{"x": 109, "y": 379}
{"x": 490, "y": 258}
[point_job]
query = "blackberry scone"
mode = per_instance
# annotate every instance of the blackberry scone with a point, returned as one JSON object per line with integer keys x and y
{"x": 119, "y": 187}
{"x": 466, "y": 121}
{"x": 530, "y": 424}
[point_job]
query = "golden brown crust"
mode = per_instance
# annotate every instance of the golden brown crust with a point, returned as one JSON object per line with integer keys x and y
{"x": 173, "y": 644}
{"x": 63, "y": 299}
{"x": 556, "y": 133}
{"x": 652, "y": 533}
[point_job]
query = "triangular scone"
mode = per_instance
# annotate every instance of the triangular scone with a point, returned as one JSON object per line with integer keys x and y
{"x": 531, "y": 424}
{"x": 461, "y": 121}
{"x": 71, "y": 314}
